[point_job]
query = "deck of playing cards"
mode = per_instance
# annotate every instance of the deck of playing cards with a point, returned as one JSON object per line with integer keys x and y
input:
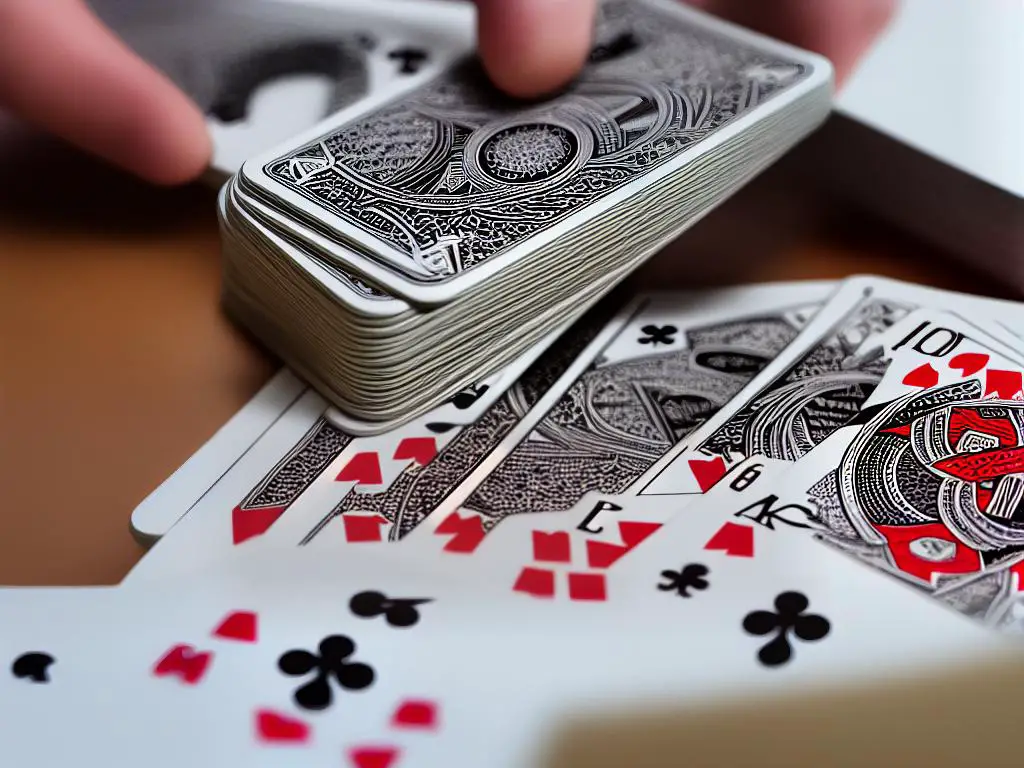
{"x": 435, "y": 231}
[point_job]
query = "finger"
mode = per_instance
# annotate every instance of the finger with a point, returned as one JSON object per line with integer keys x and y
{"x": 533, "y": 47}
{"x": 62, "y": 70}
{"x": 841, "y": 30}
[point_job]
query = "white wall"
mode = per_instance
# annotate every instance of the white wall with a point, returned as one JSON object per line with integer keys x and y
{"x": 948, "y": 79}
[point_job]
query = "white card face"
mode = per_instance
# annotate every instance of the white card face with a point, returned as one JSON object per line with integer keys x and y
{"x": 563, "y": 556}
{"x": 548, "y": 154}
{"x": 173, "y": 498}
{"x": 817, "y": 385}
{"x": 240, "y": 668}
{"x": 651, "y": 377}
{"x": 778, "y": 603}
{"x": 314, "y": 657}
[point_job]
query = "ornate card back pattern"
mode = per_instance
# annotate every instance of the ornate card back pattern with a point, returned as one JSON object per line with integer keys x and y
{"x": 452, "y": 175}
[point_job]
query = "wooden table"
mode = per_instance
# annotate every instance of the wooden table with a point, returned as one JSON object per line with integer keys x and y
{"x": 117, "y": 364}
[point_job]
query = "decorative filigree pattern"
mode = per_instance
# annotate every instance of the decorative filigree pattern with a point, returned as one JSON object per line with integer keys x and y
{"x": 454, "y": 161}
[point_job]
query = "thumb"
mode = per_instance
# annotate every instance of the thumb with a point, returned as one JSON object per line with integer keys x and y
{"x": 64, "y": 71}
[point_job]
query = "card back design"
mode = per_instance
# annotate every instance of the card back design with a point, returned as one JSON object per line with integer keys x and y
{"x": 451, "y": 176}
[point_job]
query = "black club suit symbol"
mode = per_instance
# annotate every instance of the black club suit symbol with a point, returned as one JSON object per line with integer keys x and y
{"x": 658, "y": 334}
{"x": 682, "y": 581}
{"x": 398, "y": 612}
{"x": 409, "y": 59}
{"x": 330, "y": 663}
{"x": 33, "y": 666}
{"x": 788, "y": 617}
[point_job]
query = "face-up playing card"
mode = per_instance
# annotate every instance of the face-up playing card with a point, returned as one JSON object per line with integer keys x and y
{"x": 247, "y": 499}
{"x": 356, "y": 670}
{"x": 239, "y": 670}
{"x": 304, "y": 462}
{"x": 923, "y": 485}
{"x": 651, "y": 378}
{"x": 727, "y": 587}
{"x": 814, "y": 387}
{"x": 767, "y": 619}
{"x": 367, "y": 661}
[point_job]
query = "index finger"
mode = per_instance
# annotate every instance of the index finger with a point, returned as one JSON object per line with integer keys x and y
{"x": 532, "y": 47}
{"x": 64, "y": 71}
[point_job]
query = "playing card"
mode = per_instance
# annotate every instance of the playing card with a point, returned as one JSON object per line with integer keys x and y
{"x": 369, "y": 660}
{"x": 652, "y": 378}
{"x": 174, "y": 497}
{"x": 924, "y": 484}
{"x": 257, "y": 488}
{"x": 455, "y": 185}
{"x": 733, "y": 588}
{"x": 817, "y": 385}
{"x": 237, "y": 670}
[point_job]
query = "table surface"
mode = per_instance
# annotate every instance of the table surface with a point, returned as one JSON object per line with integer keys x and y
{"x": 118, "y": 364}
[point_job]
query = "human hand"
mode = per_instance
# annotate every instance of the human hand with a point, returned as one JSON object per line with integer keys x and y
{"x": 64, "y": 71}
{"x": 531, "y": 47}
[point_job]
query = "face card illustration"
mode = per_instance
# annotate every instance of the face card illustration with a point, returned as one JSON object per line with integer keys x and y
{"x": 924, "y": 485}
{"x": 818, "y": 384}
{"x": 478, "y": 159}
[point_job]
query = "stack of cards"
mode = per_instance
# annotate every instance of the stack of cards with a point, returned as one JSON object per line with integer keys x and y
{"x": 434, "y": 231}
{"x": 701, "y": 496}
